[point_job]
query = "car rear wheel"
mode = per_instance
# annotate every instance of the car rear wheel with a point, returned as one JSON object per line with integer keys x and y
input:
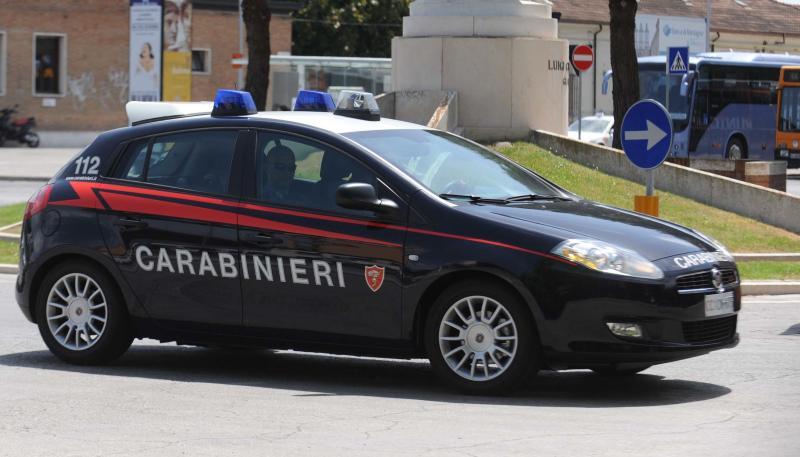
{"x": 480, "y": 338}
{"x": 81, "y": 315}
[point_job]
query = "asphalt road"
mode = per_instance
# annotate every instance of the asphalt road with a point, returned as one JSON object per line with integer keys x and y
{"x": 17, "y": 191}
{"x": 163, "y": 400}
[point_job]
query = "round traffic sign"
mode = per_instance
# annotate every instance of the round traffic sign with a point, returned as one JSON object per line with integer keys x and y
{"x": 646, "y": 134}
{"x": 583, "y": 57}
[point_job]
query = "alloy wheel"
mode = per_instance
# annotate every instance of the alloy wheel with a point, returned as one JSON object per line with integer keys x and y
{"x": 478, "y": 338}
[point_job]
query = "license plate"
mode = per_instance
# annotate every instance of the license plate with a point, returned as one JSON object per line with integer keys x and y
{"x": 795, "y": 156}
{"x": 719, "y": 304}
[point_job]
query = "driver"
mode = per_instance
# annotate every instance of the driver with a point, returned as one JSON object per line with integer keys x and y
{"x": 279, "y": 174}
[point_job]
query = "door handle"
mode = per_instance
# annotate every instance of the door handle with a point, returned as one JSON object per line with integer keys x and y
{"x": 261, "y": 238}
{"x": 130, "y": 223}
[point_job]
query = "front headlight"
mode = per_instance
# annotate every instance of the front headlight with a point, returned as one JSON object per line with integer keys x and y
{"x": 607, "y": 258}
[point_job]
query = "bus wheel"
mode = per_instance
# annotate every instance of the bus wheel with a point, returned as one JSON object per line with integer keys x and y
{"x": 736, "y": 150}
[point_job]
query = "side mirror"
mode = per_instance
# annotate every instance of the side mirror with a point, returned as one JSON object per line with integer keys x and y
{"x": 687, "y": 82}
{"x": 606, "y": 78}
{"x": 362, "y": 196}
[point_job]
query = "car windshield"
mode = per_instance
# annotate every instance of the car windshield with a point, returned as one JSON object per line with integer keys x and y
{"x": 591, "y": 125}
{"x": 449, "y": 165}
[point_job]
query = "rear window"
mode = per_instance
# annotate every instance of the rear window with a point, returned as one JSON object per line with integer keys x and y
{"x": 197, "y": 161}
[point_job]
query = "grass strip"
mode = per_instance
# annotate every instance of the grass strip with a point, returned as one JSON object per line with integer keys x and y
{"x": 737, "y": 233}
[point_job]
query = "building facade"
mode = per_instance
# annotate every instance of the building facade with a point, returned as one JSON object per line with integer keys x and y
{"x": 66, "y": 62}
{"x": 750, "y": 26}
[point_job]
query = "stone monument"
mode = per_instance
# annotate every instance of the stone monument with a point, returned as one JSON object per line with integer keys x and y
{"x": 502, "y": 57}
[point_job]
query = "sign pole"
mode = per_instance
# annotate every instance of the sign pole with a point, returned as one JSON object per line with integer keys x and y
{"x": 651, "y": 181}
{"x": 582, "y": 60}
{"x": 580, "y": 105}
{"x": 669, "y": 77}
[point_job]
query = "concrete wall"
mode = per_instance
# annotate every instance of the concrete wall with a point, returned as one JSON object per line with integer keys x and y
{"x": 766, "y": 205}
{"x": 529, "y": 75}
{"x": 434, "y": 108}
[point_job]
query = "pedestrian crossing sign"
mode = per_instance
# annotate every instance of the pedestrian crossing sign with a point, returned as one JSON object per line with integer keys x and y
{"x": 678, "y": 61}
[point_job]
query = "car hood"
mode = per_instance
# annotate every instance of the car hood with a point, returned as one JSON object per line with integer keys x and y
{"x": 650, "y": 237}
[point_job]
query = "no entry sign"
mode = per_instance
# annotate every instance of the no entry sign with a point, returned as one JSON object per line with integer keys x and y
{"x": 583, "y": 58}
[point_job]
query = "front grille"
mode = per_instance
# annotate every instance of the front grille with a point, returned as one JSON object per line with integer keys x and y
{"x": 702, "y": 280}
{"x": 709, "y": 331}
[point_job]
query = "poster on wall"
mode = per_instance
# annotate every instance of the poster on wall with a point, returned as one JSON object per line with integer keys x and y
{"x": 177, "y": 50}
{"x": 656, "y": 34}
{"x": 145, "y": 51}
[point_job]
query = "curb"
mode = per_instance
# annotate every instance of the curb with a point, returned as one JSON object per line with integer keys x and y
{"x": 774, "y": 257}
{"x": 748, "y": 287}
{"x": 770, "y": 287}
{"x": 9, "y": 237}
{"x": 25, "y": 178}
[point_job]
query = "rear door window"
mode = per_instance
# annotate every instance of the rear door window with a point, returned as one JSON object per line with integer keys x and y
{"x": 199, "y": 161}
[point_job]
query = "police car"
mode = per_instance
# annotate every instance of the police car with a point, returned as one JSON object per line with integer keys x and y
{"x": 330, "y": 229}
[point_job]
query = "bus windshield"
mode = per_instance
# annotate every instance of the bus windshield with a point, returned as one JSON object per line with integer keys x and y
{"x": 790, "y": 110}
{"x": 653, "y": 85}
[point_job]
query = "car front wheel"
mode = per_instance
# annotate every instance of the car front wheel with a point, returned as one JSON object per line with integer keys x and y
{"x": 480, "y": 338}
{"x": 81, "y": 315}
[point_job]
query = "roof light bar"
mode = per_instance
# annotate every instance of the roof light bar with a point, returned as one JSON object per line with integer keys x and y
{"x": 312, "y": 100}
{"x": 358, "y": 105}
{"x": 233, "y": 103}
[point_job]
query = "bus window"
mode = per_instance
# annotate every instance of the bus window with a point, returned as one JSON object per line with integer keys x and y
{"x": 790, "y": 110}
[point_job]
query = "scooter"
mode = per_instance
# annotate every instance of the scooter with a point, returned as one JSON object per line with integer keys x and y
{"x": 17, "y": 130}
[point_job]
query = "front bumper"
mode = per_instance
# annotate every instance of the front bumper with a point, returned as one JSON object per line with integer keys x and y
{"x": 673, "y": 325}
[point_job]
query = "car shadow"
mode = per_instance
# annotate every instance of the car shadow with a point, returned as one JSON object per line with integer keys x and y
{"x": 793, "y": 330}
{"x": 325, "y": 375}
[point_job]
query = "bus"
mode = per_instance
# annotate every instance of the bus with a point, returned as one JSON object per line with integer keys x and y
{"x": 725, "y": 107}
{"x": 788, "y": 134}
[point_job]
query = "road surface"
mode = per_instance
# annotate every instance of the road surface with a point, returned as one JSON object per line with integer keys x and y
{"x": 162, "y": 400}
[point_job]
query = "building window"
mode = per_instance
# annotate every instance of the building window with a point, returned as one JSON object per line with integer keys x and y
{"x": 2, "y": 63}
{"x": 49, "y": 64}
{"x": 201, "y": 61}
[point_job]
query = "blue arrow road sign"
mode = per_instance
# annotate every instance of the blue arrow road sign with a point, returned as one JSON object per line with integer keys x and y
{"x": 678, "y": 61}
{"x": 646, "y": 134}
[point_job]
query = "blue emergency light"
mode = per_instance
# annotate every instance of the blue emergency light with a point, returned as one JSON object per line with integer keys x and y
{"x": 233, "y": 103}
{"x": 312, "y": 100}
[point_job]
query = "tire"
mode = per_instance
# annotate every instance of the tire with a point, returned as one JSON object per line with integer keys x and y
{"x": 736, "y": 149}
{"x": 615, "y": 372}
{"x": 62, "y": 306}
{"x": 32, "y": 139}
{"x": 495, "y": 372}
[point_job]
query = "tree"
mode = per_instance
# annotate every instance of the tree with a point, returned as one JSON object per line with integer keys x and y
{"x": 256, "y": 15}
{"x": 353, "y": 28}
{"x": 624, "y": 65}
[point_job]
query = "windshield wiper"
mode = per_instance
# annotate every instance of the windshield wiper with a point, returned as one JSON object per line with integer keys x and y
{"x": 473, "y": 198}
{"x": 536, "y": 197}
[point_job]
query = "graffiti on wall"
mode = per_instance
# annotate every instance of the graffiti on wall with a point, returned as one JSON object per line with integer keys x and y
{"x": 109, "y": 92}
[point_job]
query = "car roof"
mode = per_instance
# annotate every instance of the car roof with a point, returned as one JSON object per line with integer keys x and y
{"x": 336, "y": 123}
{"x": 158, "y": 112}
